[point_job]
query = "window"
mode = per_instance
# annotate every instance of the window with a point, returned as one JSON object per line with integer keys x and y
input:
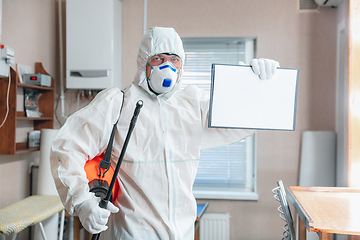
{"x": 226, "y": 172}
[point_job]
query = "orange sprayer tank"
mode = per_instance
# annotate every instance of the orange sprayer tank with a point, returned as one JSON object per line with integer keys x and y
{"x": 99, "y": 184}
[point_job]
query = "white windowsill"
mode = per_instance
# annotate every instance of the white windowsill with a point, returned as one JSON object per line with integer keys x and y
{"x": 230, "y": 195}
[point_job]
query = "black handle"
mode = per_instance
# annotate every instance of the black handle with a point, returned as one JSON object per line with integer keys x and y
{"x": 104, "y": 202}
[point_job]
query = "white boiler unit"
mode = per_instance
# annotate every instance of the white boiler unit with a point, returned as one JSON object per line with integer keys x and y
{"x": 93, "y": 44}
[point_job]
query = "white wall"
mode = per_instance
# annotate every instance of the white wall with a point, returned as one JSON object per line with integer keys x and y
{"x": 300, "y": 40}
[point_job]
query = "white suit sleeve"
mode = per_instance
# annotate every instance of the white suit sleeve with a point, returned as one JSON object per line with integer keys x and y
{"x": 216, "y": 137}
{"x": 84, "y": 135}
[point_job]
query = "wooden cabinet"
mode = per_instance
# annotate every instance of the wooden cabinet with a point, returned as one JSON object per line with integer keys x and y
{"x": 8, "y": 144}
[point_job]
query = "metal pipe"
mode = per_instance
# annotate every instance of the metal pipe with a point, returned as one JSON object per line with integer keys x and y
{"x": 62, "y": 96}
{"x": 145, "y": 17}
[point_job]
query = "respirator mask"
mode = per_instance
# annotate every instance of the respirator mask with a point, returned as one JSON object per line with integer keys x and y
{"x": 163, "y": 77}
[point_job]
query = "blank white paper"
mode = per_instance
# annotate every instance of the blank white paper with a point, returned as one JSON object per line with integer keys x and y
{"x": 240, "y": 99}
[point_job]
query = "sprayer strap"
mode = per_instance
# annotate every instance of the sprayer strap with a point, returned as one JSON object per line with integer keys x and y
{"x": 105, "y": 162}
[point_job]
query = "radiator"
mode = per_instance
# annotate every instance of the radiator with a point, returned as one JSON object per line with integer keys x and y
{"x": 215, "y": 226}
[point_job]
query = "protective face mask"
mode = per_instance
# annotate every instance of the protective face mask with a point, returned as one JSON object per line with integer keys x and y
{"x": 163, "y": 77}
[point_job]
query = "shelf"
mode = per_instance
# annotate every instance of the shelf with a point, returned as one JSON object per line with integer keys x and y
{"x": 22, "y": 147}
{"x": 23, "y": 85}
{"x": 20, "y": 115}
{"x": 35, "y": 118}
{"x": 46, "y": 107}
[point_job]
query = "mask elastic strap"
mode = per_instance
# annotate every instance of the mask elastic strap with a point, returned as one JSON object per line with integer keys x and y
{"x": 151, "y": 69}
{"x": 150, "y": 66}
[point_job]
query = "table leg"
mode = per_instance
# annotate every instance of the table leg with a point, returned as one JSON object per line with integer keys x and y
{"x": 197, "y": 231}
{"x": 77, "y": 226}
{"x": 302, "y": 230}
{"x": 42, "y": 231}
{"x": 13, "y": 237}
{"x": 325, "y": 236}
{"x": 61, "y": 231}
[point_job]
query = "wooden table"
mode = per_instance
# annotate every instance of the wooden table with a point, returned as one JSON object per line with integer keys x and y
{"x": 327, "y": 210}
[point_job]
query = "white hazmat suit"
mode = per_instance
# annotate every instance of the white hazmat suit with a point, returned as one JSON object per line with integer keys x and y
{"x": 160, "y": 164}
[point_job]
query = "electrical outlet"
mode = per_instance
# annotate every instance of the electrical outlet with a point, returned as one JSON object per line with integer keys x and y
{"x": 4, "y": 68}
{"x": 7, "y": 57}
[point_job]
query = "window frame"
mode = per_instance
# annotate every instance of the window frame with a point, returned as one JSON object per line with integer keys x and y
{"x": 236, "y": 194}
{"x": 251, "y": 159}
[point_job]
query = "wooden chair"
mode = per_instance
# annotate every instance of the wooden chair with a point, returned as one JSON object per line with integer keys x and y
{"x": 285, "y": 213}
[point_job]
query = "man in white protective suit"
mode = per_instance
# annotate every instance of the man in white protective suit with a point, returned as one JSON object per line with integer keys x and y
{"x": 160, "y": 164}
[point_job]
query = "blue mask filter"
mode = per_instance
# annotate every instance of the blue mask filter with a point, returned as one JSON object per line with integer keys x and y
{"x": 167, "y": 83}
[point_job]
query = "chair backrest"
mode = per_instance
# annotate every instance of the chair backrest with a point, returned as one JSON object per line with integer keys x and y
{"x": 285, "y": 214}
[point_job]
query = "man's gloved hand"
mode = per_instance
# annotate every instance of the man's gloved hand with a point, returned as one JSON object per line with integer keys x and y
{"x": 92, "y": 217}
{"x": 264, "y": 68}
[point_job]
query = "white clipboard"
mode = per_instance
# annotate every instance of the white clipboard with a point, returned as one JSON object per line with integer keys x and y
{"x": 240, "y": 99}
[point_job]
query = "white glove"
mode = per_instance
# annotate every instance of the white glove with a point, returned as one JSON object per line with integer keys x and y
{"x": 264, "y": 68}
{"x": 92, "y": 217}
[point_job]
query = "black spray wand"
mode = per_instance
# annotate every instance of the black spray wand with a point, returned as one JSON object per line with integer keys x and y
{"x": 104, "y": 202}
